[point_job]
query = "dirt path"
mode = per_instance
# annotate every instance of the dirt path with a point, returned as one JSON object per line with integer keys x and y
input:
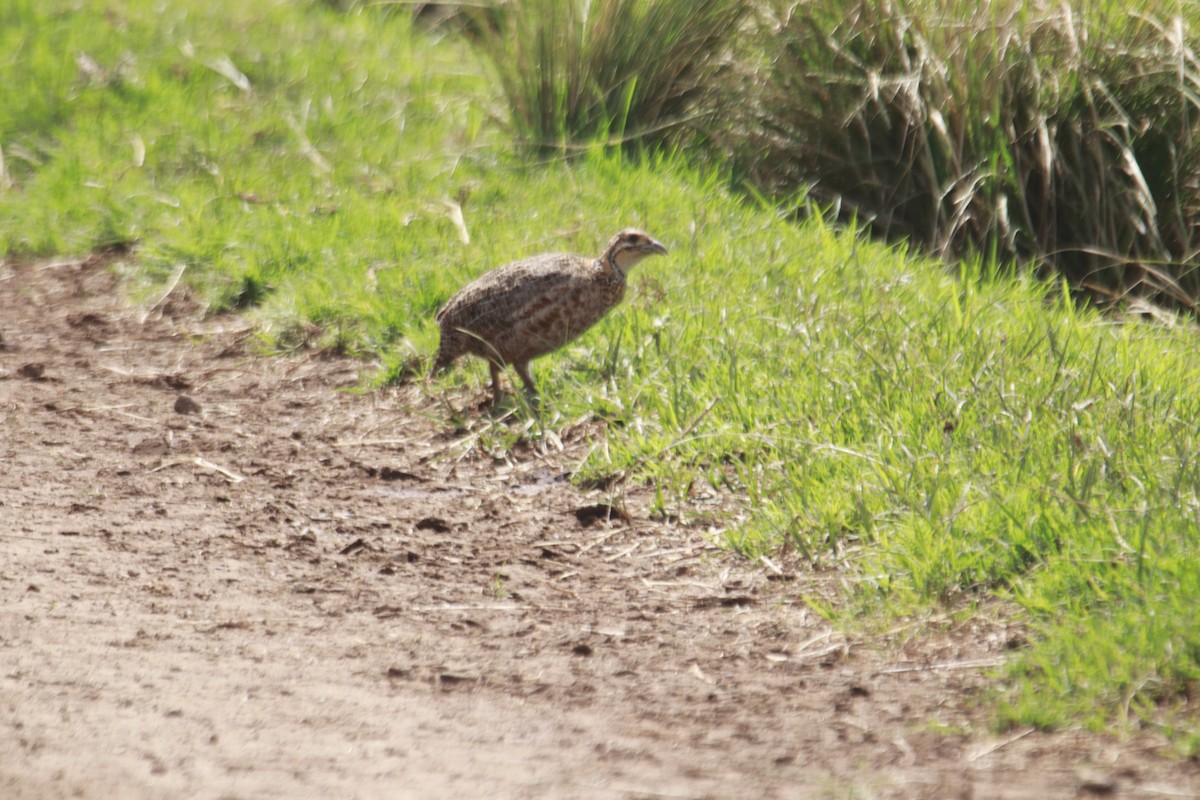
{"x": 224, "y": 578}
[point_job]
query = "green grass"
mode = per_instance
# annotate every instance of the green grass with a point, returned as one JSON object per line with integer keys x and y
{"x": 340, "y": 134}
{"x": 943, "y": 437}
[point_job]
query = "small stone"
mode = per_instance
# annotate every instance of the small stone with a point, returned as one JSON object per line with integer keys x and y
{"x": 1099, "y": 784}
{"x": 186, "y": 405}
{"x": 33, "y": 371}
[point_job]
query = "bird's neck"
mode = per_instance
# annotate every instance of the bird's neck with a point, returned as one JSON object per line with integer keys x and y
{"x": 610, "y": 266}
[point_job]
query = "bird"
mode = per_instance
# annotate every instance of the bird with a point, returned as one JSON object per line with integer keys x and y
{"x": 531, "y": 307}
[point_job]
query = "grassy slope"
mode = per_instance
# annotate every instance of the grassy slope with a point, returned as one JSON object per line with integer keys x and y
{"x": 946, "y": 437}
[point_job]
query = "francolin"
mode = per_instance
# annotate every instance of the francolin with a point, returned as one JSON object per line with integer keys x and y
{"x": 534, "y": 306}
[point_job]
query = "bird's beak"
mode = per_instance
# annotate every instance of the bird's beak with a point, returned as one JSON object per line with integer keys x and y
{"x": 655, "y": 246}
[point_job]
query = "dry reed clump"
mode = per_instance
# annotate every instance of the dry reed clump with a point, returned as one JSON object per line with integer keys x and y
{"x": 1064, "y": 134}
{"x": 575, "y": 72}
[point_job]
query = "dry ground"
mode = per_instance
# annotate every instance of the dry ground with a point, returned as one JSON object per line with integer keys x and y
{"x": 222, "y": 577}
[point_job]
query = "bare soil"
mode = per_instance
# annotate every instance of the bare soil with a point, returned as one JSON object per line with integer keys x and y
{"x": 225, "y": 576}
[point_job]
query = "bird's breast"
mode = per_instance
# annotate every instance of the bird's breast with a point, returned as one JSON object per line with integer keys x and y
{"x": 556, "y": 318}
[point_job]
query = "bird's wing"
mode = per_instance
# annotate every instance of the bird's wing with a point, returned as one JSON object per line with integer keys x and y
{"x": 499, "y": 299}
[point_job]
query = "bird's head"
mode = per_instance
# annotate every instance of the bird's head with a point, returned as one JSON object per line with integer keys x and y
{"x": 629, "y": 247}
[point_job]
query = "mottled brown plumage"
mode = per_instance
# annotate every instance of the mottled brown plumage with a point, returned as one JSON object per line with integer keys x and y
{"x": 532, "y": 307}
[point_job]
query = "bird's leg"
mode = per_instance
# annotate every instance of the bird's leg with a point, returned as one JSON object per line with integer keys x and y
{"x": 522, "y": 368}
{"x": 497, "y": 392}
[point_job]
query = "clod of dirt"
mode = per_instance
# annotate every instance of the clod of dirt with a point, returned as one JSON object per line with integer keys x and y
{"x": 455, "y": 678}
{"x": 599, "y": 512}
{"x": 435, "y": 524}
{"x": 390, "y": 474}
{"x": 86, "y": 320}
{"x": 1096, "y": 784}
{"x": 167, "y": 380}
{"x": 729, "y": 601}
{"x": 186, "y": 405}
{"x": 34, "y": 371}
{"x": 152, "y": 446}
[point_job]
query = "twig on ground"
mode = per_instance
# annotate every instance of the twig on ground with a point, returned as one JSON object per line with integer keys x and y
{"x": 623, "y": 553}
{"x": 472, "y": 607}
{"x": 233, "y": 477}
{"x": 370, "y": 442}
{"x": 989, "y": 749}
{"x": 970, "y": 663}
{"x": 598, "y": 540}
{"x": 838, "y": 647}
{"x": 820, "y": 637}
{"x": 204, "y": 463}
{"x": 553, "y": 543}
{"x": 691, "y": 550}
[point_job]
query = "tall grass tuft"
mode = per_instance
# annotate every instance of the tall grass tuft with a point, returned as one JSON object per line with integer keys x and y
{"x": 579, "y": 71}
{"x": 1064, "y": 134}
